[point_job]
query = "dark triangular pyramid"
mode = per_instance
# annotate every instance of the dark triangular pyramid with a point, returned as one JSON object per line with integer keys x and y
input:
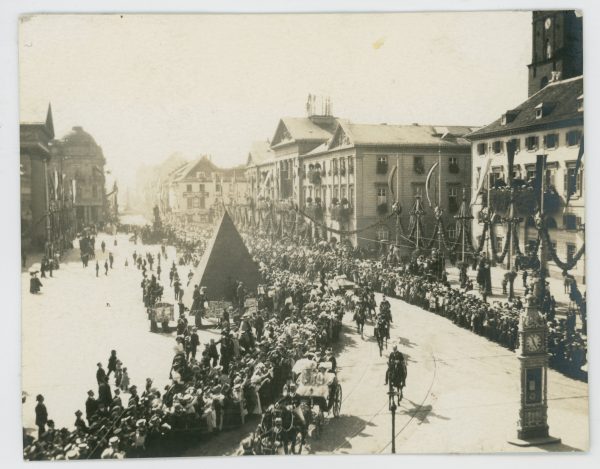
{"x": 225, "y": 261}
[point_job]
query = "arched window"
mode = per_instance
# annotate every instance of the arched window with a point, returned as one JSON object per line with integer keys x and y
{"x": 543, "y": 82}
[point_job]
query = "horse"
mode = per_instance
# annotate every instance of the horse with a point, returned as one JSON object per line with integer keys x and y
{"x": 360, "y": 318}
{"x": 397, "y": 374}
{"x": 288, "y": 429}
{"x": 381, "y": 334}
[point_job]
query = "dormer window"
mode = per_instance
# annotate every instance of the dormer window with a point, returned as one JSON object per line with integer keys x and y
{"x": 542, "y": 110}
{"x": 539, "y": 111}
{"x": 508, "y": 117}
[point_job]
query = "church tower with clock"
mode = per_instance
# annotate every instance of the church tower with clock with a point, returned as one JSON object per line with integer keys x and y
{"x": 557, "y": 47}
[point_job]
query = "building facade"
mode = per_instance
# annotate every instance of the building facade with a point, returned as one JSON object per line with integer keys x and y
{"x": 35, "y": 138}
{"x": 549, "y": 123}
{"x": 81, "y": 160}
{"x": 199, "y": 190}
{"x": 356, "y": 172}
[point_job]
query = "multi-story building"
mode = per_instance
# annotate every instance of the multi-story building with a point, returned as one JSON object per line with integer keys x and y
{"x": 79, "y": 158}
{"x": 550, "y": 123}
{"x": 369, "y": 167}
{"x": 35, "y": 137}
{"x": 200, "y": 188}
{"x": 363, "y": 168}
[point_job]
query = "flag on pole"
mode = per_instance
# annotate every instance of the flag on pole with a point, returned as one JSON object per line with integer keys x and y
{"x": 391, "y": 179}
{"x": 485, "y": 169}
{"x": 428, "y": 181}
{"x": 540, "y": 167}
{"x": 510, "y": 155}
{"x": 572, "y": 178}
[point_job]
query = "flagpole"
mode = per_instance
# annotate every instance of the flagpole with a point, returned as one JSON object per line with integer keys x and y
{"x": 397, "y": 196}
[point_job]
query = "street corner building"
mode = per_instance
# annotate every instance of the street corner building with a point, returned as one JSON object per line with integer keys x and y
{"x": 541, "y": 140}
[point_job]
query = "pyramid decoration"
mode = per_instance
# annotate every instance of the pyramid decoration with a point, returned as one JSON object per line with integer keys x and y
{"x": 225, "y": 262}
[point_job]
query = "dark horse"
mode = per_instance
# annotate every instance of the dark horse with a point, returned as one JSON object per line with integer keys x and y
{"x": 396, "y": 376}
{"x": 281, "y": 427}
{"x": 382, "y": 335}
{"x": 360, "y": 317}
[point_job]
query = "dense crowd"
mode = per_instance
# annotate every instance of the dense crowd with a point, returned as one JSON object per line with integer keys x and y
{"x": 241, "y": 373}
{"x": 245, "y": 370}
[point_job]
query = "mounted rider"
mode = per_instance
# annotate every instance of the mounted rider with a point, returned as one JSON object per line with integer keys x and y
{"x": 385, "y": 315}
{"x": 396, "y": 358}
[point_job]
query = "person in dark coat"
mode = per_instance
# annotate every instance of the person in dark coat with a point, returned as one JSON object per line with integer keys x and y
{"x": 91, "y": 407}
{"x": 100, "y": 374}
{"x": 41, "y": 415}
{"x": 79, "y": 423}
{"x": 112, "y": 363}
{"x": 194, "y": 342}
{"x": 104, "y": 393}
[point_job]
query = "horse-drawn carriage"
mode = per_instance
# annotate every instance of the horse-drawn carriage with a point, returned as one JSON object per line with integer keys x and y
{"x": 284, "y": 427}
{"x": 161, "y": 313}
{"x": 319, "y": 392}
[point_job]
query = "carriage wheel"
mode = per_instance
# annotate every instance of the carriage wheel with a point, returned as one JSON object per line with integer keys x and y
{"x": 337, "y": 401}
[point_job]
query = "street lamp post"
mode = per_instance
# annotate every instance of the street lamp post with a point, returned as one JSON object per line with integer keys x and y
{"x": 393, "y": 407}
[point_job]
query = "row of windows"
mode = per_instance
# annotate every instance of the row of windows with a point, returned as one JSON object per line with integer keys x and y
{"x": 328, "y": 193}
{"x": 195, "y": 202}
{"x": 572, "y": 181}
{"x": 418, "y": 164}
{"x": 336, "y": 166}
{"x": 453, "y": 195}
{"x": 532, "y": 143}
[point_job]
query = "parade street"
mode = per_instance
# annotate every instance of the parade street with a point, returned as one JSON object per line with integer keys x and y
{"x": 78, "y": 319}
{"x": 459, "y": 385}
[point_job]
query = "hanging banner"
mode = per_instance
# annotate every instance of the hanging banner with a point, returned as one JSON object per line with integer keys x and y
{"x": 482, "y": 177}
{"x": 391, "y": 179}
{"x": 572, "y": 179}
{"x": 428, "y": 182}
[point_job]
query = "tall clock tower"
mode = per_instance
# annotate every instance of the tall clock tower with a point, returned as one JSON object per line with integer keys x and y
{"x": 557, "y": 47}
{"x": 532, "y": 426}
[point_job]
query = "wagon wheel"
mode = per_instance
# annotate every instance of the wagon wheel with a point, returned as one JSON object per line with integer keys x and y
{"x": 337, "y": 401}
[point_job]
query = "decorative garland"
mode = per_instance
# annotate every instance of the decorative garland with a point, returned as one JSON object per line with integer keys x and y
{"x": 343, "y": 232}
{"x": 565, "y": 266}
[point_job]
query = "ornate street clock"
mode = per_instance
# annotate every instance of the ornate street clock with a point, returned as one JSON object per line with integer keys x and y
{"x": 532, "y": 426}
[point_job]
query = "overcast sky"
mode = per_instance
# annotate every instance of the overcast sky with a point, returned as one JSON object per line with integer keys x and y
{"x": 146, "y": 86}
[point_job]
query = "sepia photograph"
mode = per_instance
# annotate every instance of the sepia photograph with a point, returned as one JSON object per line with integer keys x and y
{"x": 302, "y": 234}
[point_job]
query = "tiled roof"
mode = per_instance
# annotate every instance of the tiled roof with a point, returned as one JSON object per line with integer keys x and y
{"x": 384, "y": 134}
{"x": 260, "y": 152}
{"x": 302, "y": 128}
{"x": 560, "y": 101}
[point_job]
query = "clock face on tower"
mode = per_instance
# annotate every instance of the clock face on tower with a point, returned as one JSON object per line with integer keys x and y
{"x": 548, "y": 23}
{"x": 534, "y": 342}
